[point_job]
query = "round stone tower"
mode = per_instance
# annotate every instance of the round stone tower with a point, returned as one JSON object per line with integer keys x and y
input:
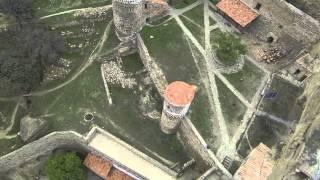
{"x": 177, "y": 99}
{"x": 128, "y": 17}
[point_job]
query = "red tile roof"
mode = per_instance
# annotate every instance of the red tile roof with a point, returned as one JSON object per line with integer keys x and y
{"x": 258, "y": 165}
{"x": 116, "y": 174}
{"x": 98, "y": 165}
{"x": 179, "y": 93}
{"x": 104, "y": 168}
{"x": 238, "y": 11}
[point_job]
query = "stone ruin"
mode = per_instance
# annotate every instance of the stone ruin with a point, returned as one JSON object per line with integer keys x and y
{"x": 283, "y": 26}
{"x": 303, "y": 67}
{"x": 130, "y": 16}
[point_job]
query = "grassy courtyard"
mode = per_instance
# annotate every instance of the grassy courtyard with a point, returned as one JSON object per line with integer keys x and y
{"x": 64, "y": 102}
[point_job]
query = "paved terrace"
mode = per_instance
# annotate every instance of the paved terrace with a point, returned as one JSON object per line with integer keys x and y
{"x": 127, "y": 156}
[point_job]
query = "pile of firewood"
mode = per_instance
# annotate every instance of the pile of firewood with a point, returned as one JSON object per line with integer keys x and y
{"x": 271, "y": 56}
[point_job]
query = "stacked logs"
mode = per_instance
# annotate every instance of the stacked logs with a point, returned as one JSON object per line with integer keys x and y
{"x": 271, "y": 55}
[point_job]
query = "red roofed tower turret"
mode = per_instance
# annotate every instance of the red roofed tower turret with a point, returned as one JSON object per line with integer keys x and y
{"x": 178, "y": 97}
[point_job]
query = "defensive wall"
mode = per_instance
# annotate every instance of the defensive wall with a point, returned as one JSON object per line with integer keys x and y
{"x": 84, "y": 144}
{"x": 43, "y": 147}
{"x": 194, "y": 144}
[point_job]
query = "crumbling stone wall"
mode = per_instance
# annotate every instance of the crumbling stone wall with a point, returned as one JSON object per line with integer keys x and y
{"x": 128, "y": 17}
{"x": 193, "y": 146}
{"x": 155, "y": 72}
{"x": 284, "y": 17}
{"x": 311, "y": 7}
{"x": 43, "y": 146}
{"x": 301, "y": 148}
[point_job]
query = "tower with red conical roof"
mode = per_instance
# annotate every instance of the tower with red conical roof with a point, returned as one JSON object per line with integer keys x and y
{"x": 178, "y": 97}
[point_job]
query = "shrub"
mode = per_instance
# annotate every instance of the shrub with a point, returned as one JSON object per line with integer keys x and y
{"x": 66, "y": 166}
{"x": 228, "y": 48}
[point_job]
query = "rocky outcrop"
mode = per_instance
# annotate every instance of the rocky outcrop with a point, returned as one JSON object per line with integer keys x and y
{"x": 31, "y": 128}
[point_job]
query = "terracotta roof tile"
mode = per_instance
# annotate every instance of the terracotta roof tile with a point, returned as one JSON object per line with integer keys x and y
{"x": 238, "y": 11}
{"x": 98, "y": 165}
{"x": 179, "y": 93}
{"x": 258, "y": 165}
{"x": 116, "y": 174}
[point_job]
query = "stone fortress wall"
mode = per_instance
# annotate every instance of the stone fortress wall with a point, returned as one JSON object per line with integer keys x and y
{"x": 70, "y": 140}
{"x": 130, "y": 16}
{"x": 193, "y": 143}
{"x": 43, "y": 147}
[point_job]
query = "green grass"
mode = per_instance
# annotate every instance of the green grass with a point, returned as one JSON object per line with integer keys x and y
{"x": 170, "y": 50}
{"x": 228, "y": 47}
{"x": 214, "y": 1}
{"x": 201, "y": 115}
{"x": 84, "y": 42}
{"x": 6, "y": 110}
{"x": 64, "y": 108}
{"x": 9, "y": 145}
{"x": 266, "y": 131}
{"x": 198, "y": 32}
{"x": 196, "y": 14}
{"x": 284, "y": 105}
{"x": 247, "y": 80}
{"x": 212, "y": 21}
{"x": 53, "y": 6}
{"x": 232, "y": 108}
{"x": 123, "y": 118}
{"x": 178, "y": 4}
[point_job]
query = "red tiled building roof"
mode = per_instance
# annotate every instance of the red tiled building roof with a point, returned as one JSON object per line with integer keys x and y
{"x": 179, "y": 93}
{"x": 116, "y": 174}
{"x": 258, "y": 166}
{"x": 238, "y": 11}
{"x": 104, "y": 168}
{"x": 98, "y": 165}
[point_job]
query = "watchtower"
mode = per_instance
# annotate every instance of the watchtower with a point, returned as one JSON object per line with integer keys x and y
{"x": 128, "y": 17}
{"x": 178, "y": 97}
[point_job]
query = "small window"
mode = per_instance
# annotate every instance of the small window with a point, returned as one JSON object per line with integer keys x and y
{"x": 146, "y": 6}
{"x": 258, "y": 6}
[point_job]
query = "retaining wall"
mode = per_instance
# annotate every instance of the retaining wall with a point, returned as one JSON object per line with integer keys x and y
{"x": 41, "y": 147}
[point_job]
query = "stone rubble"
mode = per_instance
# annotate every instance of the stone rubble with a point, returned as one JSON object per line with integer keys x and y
{"x": 59, "y": 71}
{"x": 115, "y": 75}
{"x": 92, "y": 12}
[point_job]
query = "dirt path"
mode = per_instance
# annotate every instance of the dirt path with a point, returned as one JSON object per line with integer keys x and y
{"x": 212, "y": 83}
{"x": 3, "y": 134}
{"x": 213, "y": 72}
{"x": 90, "y": 60}
{"x": 94, "y": 54}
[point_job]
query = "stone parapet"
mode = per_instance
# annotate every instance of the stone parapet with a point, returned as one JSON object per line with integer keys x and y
{"x": 43, "y": 146}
